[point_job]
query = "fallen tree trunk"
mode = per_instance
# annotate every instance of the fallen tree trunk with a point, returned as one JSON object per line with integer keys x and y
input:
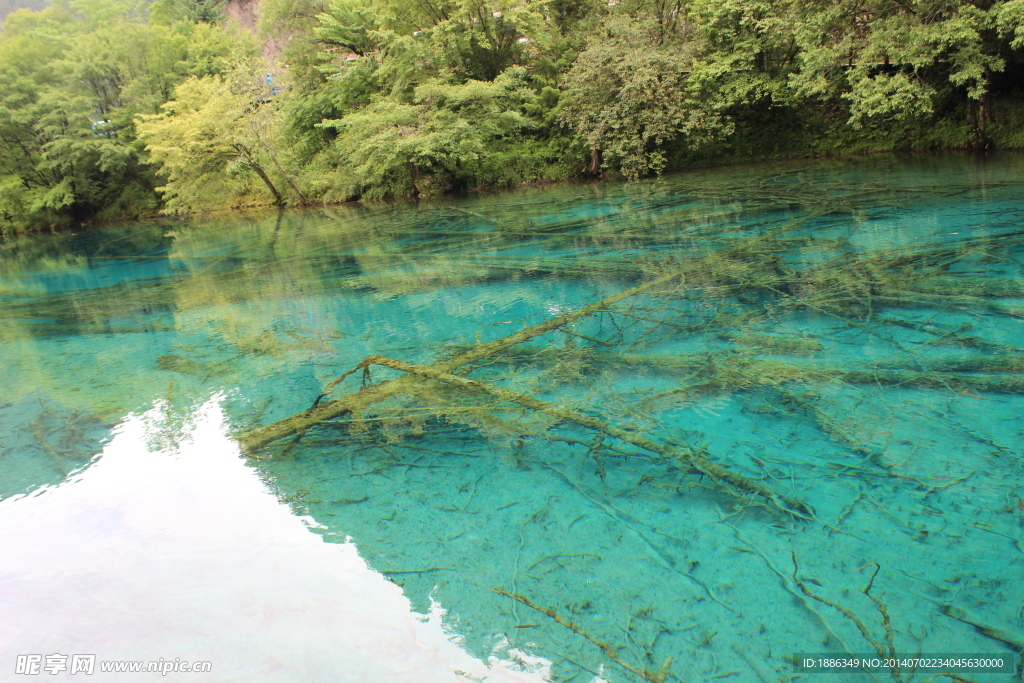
{"x": 320, "y": 412}
{"x": 683, "y": 452}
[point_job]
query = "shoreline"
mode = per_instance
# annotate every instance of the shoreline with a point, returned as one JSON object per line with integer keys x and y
{"x": 607, "y": 178}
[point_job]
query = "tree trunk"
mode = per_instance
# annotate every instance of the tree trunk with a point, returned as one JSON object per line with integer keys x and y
{"x": 320, "y": 412}
{"x": 979, "y": 114}
{"x": 278, "y": 199}
{"x": 287, "y": 179}
{"x": 683, "y": 452}
{"x": 277, "y": 165}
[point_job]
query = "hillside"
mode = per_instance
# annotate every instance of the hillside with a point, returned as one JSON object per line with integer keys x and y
{"x": 193, "y": 105}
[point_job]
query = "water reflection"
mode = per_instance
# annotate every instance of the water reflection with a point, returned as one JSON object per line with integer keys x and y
{"x": 170, "y": 546}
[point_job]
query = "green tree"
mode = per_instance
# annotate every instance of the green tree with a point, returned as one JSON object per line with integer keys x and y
{"x": 76, "y": 75}
{"x": 213, "y": 139}
{"x": 628, "y": 94}
{"x": 895, "y": 66}
{"x": 439, "y": 141}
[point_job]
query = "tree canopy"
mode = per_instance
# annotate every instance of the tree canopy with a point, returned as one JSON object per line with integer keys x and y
{"x": 116, "y": 108}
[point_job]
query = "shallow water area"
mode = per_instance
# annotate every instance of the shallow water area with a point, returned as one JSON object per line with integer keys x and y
{"x": 801, "y": 435}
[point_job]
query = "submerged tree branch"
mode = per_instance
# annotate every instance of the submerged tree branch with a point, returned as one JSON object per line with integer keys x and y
{"x": 258, "y": 438}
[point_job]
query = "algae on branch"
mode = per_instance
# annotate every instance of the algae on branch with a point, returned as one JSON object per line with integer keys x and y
{"x": 728, "y": 294}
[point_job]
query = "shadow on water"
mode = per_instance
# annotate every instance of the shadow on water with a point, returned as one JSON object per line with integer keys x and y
{"x": 846, "y": 335}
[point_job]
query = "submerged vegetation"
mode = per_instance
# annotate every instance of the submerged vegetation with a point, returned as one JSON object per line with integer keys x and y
{"x": 797, "y": 321}
{"x": 113, "y": 108}
{"x": 674, "y": 430}
{"x": 742, "y": 281}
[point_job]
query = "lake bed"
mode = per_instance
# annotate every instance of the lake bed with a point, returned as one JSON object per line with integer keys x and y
{"x": 806, "y": 438}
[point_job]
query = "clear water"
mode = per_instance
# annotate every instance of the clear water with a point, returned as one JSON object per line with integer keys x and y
{"x": 847, "y": 334}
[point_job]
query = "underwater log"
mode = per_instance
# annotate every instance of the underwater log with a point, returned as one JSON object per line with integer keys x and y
{"x": 258, "y": 438}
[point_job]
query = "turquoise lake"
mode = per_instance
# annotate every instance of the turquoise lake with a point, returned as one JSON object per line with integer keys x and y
{"x": 796, "y": 434}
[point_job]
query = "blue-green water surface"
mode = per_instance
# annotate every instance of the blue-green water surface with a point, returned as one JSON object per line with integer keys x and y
{"x": 847, "y": 335}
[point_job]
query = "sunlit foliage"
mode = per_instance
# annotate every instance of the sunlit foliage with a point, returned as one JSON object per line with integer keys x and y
{"x": 74, "y": 77}
{"x": 331, "y": 100}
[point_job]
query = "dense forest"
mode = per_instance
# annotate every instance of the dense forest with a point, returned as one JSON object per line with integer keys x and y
{"x": 114, "y": 109}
